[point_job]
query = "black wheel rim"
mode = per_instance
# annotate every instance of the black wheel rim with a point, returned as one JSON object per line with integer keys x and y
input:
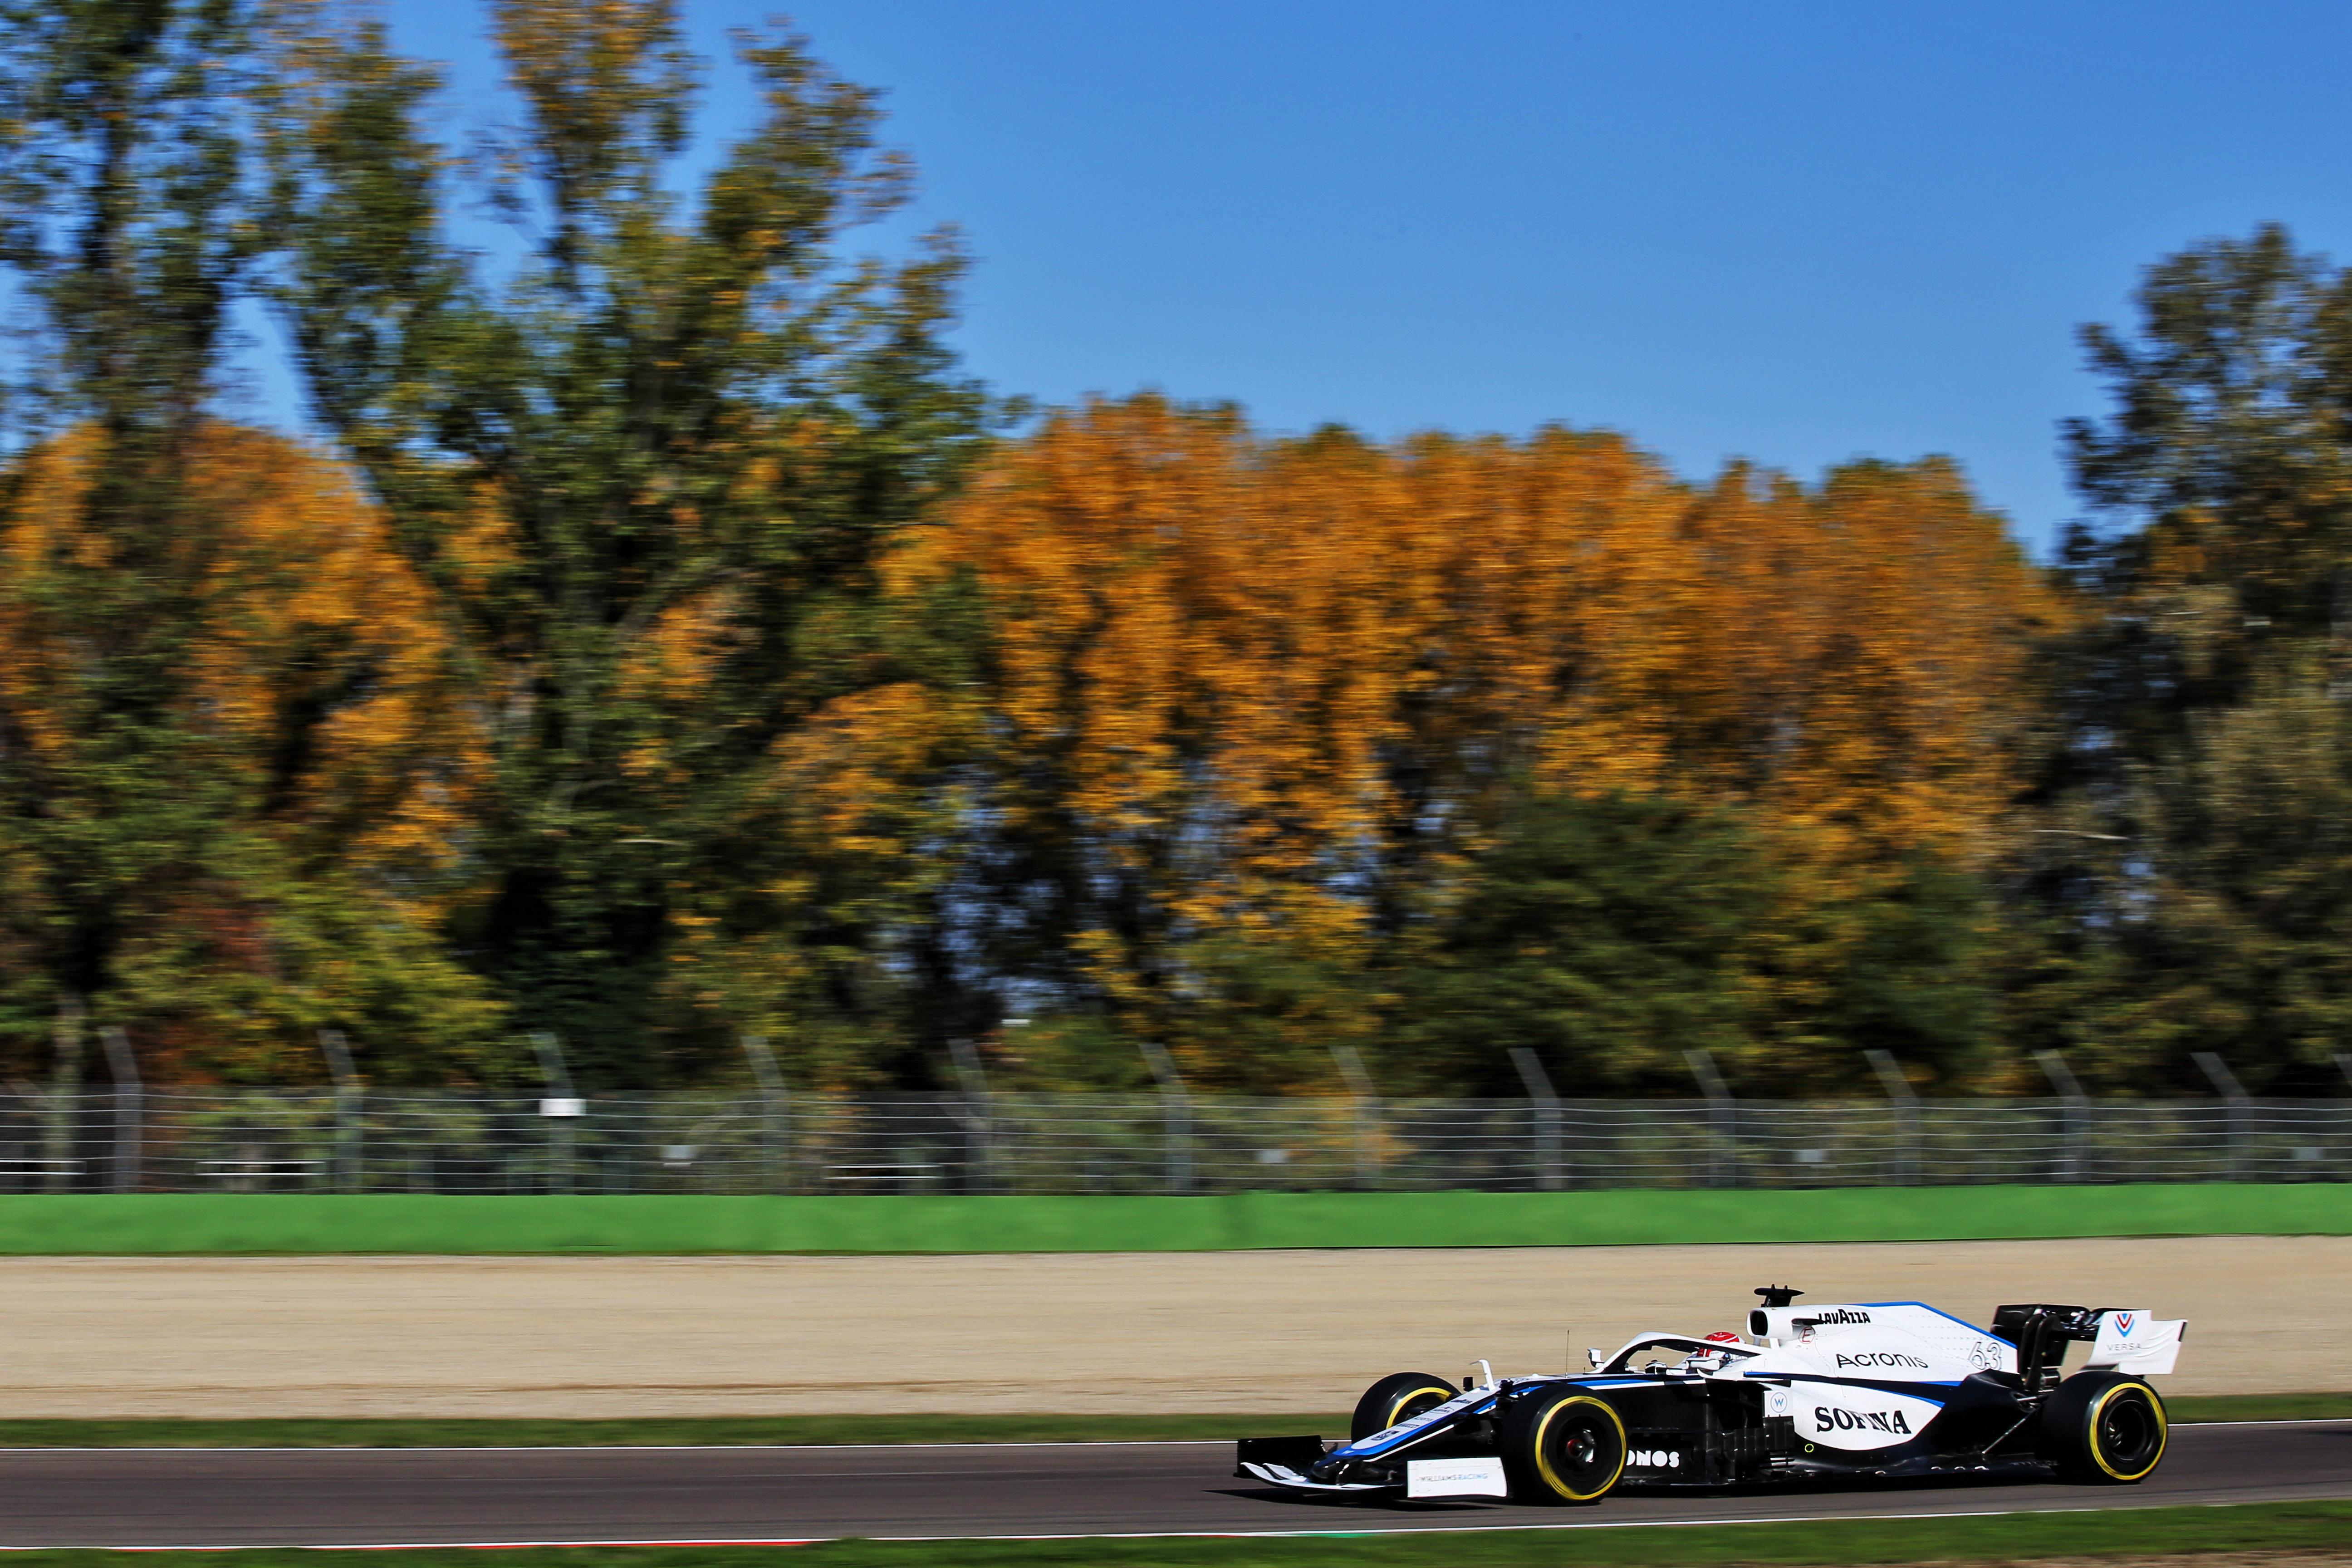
{"x": 2129, "y": 1432}
{"x": 1579, "y": 1451}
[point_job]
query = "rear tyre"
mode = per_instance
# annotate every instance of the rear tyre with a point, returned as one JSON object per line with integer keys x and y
{"x": 1395, "y": 1397}
{"x": 2103, "y": 1427}
{"x": 1562, "y": 1446}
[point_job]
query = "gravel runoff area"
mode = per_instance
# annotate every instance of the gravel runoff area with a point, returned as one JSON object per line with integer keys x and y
{"x": 1092, "y": 1332}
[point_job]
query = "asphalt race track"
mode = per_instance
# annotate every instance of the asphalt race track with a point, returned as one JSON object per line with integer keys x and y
{"x": 280, "y": 1497}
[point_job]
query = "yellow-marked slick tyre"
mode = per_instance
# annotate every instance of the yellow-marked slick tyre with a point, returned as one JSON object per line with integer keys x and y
{"x": 2103, "y": 1427}
{"x": 1394, "y": 1397}
{"x": 1563, "y": 1445}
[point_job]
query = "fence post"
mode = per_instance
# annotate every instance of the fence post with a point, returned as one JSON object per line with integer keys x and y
{"x": 1547, "y": 1114}
{"x": 2343, "y": 1066}
{"x": 1176, "y": 1107}
{"x": 350, "y": 1102}
{"x": 775, "y": 1115}
{"x": 1723, "y": 1119}
{"x": 978, "y": 1117}
{"x": 2233, "y": 1093}
{"x": 61, "y": 1106}
{"x": 123, "y": 1064}
{"x": 2071, "y": 1169}
{"x": 1367, "y": 1116}
{"x": 560, "y": 1109}
{"x": 1906, "y": 1115}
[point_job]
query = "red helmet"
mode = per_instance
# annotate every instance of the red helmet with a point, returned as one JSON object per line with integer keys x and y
{"x": 1723, "y": 1337}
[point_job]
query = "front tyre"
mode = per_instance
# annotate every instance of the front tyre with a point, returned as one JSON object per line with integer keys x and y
{"x": 1562, "y": 1446}
{"x": 2104, "y": 1428}
{"x": 1396, "y": 1397}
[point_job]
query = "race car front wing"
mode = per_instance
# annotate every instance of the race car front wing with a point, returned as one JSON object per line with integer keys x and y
{"x": 1714, "y": 1452}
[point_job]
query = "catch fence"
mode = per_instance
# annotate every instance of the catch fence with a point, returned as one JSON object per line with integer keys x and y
{"x": 292, "y": 1140}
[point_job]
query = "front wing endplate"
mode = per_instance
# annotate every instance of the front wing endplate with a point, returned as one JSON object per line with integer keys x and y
{"x": 1284, "y": 1476}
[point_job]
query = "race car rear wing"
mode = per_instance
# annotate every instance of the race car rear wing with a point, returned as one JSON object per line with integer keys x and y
{"x": 2124, "y": 1339}
{"x": 2134, "y": 1342}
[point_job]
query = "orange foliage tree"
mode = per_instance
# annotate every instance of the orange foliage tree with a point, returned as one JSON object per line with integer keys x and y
{"x": 325, "y": 754}
{"x": 1257, "y": 704}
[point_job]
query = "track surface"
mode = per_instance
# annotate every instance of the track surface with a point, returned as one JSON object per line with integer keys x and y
{"x": 163, "y": 1497}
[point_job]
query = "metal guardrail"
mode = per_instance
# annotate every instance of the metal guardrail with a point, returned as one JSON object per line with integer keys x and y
{"x": 291, "y": 1140}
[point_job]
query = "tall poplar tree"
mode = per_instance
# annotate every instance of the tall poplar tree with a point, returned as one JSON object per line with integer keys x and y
{"x": 648, "y": 471}
{"x": 2196, "y": 895}
{"x": 122, "y": 216}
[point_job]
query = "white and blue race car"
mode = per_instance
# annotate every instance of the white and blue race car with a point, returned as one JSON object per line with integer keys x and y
{"x": 1865, "y": 1389}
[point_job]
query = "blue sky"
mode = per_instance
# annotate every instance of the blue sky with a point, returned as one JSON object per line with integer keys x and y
{"x": 1797, "y": 233}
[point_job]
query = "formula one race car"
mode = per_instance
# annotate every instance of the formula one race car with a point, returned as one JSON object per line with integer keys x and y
{"x": 1873, "y": 1389}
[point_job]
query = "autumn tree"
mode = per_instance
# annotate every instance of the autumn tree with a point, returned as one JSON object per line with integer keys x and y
{"x": 646, "y": 477}
{"x": 221, "y": 781}
{"x": 122, "y": 181}
{"x": 313, "y": 722}
{"x": 1264, "y": 713}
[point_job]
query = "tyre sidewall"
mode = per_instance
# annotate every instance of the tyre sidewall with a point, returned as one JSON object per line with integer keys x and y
{"x": 1378, "y": 1409}
{"x": 2072, "y": 1422}
{"x": 1531, "y": 1431}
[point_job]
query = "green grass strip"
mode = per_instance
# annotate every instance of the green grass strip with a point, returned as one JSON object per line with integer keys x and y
{"x": 230, "y": 1223}
{"x": 2175, "y": 1534}
{"x": 713, "y": 1431}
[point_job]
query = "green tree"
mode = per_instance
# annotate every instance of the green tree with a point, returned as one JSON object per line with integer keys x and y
{"x": 2191, "y": 864}
{"x": 171, "y": 688}
{"x": 1899, "y": 960}
{"x": 649, "y": 473}
{"x": 1610, "y": 935}
{"x": 121, "y": 212}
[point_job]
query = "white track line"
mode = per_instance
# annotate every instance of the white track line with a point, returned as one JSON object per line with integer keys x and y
{"x": 1139, "y": 1534}
{"x": 1596, "y": 1525}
